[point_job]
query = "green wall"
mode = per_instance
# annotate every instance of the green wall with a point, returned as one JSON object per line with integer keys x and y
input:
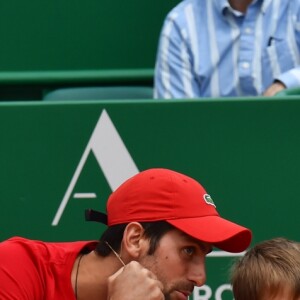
{"x": 244, "y": 151}
{"x": 42, "y": 35}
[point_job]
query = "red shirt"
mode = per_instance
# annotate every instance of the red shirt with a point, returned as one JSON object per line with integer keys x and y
{"x": 35, "y": 270}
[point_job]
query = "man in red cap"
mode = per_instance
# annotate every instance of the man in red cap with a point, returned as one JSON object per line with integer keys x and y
{"x": 161, "y": 225}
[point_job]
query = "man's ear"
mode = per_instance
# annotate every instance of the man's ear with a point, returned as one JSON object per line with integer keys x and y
{"x": 133, "y": 239}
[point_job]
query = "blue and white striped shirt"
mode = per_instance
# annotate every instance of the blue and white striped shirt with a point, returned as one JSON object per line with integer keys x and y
{"x": 207, "y": 49}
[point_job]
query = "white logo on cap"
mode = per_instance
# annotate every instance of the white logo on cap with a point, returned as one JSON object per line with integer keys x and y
{"x": 208, "y": 200}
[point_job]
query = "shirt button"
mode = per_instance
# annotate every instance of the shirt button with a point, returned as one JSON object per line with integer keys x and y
{"x": 245, "y": 65}
{"x": 248, "y": 30}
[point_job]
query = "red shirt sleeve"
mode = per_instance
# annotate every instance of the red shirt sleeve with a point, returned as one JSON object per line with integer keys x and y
{"x": 19, "y": 272}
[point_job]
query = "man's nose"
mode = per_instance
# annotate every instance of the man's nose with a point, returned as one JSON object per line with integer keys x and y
{"x": 197, "y": 275}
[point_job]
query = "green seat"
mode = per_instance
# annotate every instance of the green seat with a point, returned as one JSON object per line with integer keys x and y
{"x": 289, "y": 92}
{"x": 100, "y": 93}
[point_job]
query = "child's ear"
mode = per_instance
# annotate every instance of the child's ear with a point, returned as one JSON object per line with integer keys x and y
{"x": 133, "y": 238}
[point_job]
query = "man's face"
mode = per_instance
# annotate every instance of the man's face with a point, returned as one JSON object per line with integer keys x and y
{"x": 179, "y": 263}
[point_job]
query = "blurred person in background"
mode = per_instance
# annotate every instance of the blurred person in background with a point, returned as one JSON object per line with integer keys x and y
{"x": 228, "y": 48}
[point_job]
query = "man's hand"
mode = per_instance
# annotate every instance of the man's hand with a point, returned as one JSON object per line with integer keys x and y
{"x": 274, "y": 88}
{"x": 134, "y": 282}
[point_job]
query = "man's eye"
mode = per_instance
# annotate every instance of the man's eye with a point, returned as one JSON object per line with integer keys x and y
{"x": 189, "y": 250}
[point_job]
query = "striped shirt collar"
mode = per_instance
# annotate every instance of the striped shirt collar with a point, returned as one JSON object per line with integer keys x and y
{"x": 223, "y": 6}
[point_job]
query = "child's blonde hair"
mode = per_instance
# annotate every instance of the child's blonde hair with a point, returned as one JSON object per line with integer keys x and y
{"x": 267, "y": 269}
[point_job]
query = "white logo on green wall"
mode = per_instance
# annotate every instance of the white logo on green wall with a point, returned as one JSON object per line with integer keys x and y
{"x": 112, "y": 156}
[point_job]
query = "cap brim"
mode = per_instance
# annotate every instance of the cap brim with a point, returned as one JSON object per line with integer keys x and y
{"x": 221, "y": 233}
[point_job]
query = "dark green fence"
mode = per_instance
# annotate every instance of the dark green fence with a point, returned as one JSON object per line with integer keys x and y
{"x": 54, "y": 164}
{"x": 51, "y": 44}
{"x": 80, "y": 35}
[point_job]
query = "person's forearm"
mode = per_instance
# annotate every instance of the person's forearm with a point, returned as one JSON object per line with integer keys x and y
{"x": 274, "y": 88}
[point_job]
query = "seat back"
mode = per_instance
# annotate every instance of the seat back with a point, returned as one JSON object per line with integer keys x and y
{"x": 100, "y": 93}
{"x": 289, "y": 92}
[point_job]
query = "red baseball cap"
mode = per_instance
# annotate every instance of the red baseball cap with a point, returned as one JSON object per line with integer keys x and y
{"x": 163, "y": 194}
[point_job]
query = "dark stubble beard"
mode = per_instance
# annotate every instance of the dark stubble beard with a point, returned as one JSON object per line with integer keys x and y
{"x": 150, "y": 262}
{"x": 178, "y": 287}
